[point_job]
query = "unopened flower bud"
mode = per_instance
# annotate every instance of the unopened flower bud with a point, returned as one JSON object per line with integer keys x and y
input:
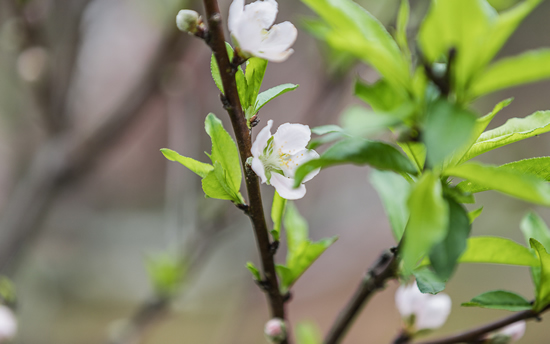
{"x": 275, "y": 330}
{"x": 188, "y": 21}
{"x": 8, "y": 324}
{"x": 422, "y": 311}
{"x": 508, "y": 334}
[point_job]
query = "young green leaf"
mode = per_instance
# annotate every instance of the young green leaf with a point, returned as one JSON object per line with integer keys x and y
{"x": 394, "y": 191}
{"x": 447, "y": 130}
{"x": 500, "y": 299}
{"x": 216, "y": 185}
{"x": 308, "y": 333}
{"x": 215, "y": 70}
{"x": 533, "y": 226}
{"x": 327, "y": 129}
{"x": 507, "y": 181}
{"x": 272, "y": 93}
{"x": 416, "y": 151}
{"x": 513, "y": 71}
{"x": 254, "y": 271}
{"x": 428, "y": 282}
{"x": 254, "y": 75}
{"x": 359, "y": 121}
{"x": 224, "y": 151}
{"x": 474, "y": 214}
{"x": 513, "y": 130}
{"x": 444, "y": 255}
{"x": 166, "y": 271}
{"x": 198, "y": 167}
{"x": 401, "y": 27}
{"x": 381, "y": 96}
{"x": 428, "y": 220}
{"x": 495, "y": 250}
{"x": 543, "y": 284}
{"x": 359, "y": 152}
{"x": 277, "y": 211}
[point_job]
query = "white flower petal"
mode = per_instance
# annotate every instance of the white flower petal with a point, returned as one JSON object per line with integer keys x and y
{"x": 284, "y": 187}
{"x": 405, "y": 300}
{"x": 275, "y": 56}
{"x": 261, "y": 140}
{"x": 259, "y": 168}
{"x": 291, "y": 138}
{"x": 296, "y": 160}
{"x": 8, "y": 323}
{"x": 261, "y": 12}
{"x": 515, "y": 331}
{"x": 279, "y": 38}
{"x": 434, "y": 313}
{"x": 248, "y": 36}
{"x": 235, "y": 14}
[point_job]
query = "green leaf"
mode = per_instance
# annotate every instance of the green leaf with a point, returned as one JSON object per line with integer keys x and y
{"x": 428, "y": 220}
{"x": 513, "y": 130}
{"x": 495, "y": 250}
{"x": 254, "y": 75}
{"x": 254, "y": 271}
{"x": 416, "y": 151}
{"x": 198, "y": 167}
{"x": 428, "y": 282}
{"x": 359, "y": 152}
{"x": 166, "y": 271}
{"x": 537, "y": 167}
{"x": 533, "y": 226}
{"x": 381, "y": 96}
{"x": 447, "y": 130}
{"x": 272, "y": 93}
{"x": 444, "y": 255}
{"x": 216, "y": 70}
{"x": 513, "y": 71}
{"x": 500, "y": 299}
{"x": 359, "y": 121}
{"x": 326, "y": 129}
{"x": 394, "y": 191}
{"x": 216, "y": 185}
{"x": 401, "y": 27}
{"x": 543, "y": 284}
{"x": 224, "y": 151}
{"x": 308, "y": 333}
{"x": 507, "y": 181}
{"x": 474, "y": 214}
{"x": 356, "y": 31}
{"x": 277, "y": 211}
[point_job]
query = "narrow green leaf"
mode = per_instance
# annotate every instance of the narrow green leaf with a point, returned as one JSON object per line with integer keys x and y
{"x": 513, "y": 130}
{"x": 447, "y": 130}
{"x": 198, "y": 167}
{"x": 254, "y": 75}
{"x": 428, "y": 282}
{"x": 543, "y": 284}
{"x": 394, "y": 191}
{"x": 216, "y": 70}
{"x": 327, "y": 129}
{"x": 359, "y": 152}
{"x": 474, "y": 214}
{"x": 401, "y": 27}
{"x": 359, "y": 121}
{"x": 224, "y": 151}
{"x": 444, "y": 255}
{"x": 272, "y": 93}
{"x": 277, "y": 211}
{"x": 308, "y": 333}
{"x": 500, "y": 299}
{"x": 459, "y": 195}
{"x": 296, "y": 229}
{"x": 381, "y": 96}
{"x": 495, "y": 250}
{"x": 536, "y": 167}
{"x": 513, "y": 71}
{"x": 507, "y": 181}
{"x": 254, "y": 271}
{"x": 428, "y": 220}
{"x": 533, "y": 226}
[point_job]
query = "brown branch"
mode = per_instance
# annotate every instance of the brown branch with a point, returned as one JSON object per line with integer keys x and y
{"x": 232, "y": 104}
{"x": 384, "y": 269}
{"x": 477, "y": 334}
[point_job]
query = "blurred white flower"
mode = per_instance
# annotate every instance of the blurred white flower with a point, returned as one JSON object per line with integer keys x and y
{"x": 275, "y": 330}
{"x": 508, "y": 334}
{"x": 276, "y": 157}
{"x": 252, "y": 30}
{"x": 8, "y": 323}
{"x": 422, "y": 311}
{"x": 188, "y": 21}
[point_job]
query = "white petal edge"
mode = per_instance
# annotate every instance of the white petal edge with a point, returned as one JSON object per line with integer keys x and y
{"x": 275, "y": 56}
{"x": 291, "y": 138}
{"x": 284, "y": 187}
{"x": 261, "y": 140}
{"x": 235, "y": 14}
{"x": 261, "y": 12}
{"x": 279, "y": 38}
{"x": 434, "y": 313}
{"x": 259, "y": 169}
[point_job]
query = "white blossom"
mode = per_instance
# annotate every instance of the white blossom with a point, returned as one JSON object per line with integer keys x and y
{"x": 508, "y": 334}
{"x": 276, "y": 157}
{"x": 275, "y": 330}
{"x": 8, "y": 323}
{"x": 188, "y": 21}
{"x": 426, "y": 310}
{"x": 252, "y": 30}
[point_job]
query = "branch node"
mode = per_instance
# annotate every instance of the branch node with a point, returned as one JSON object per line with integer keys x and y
{"x": 287, "y": 296}
{"x": 225, "y": 102}
{"x": 273, "y": 247}
{"x": 244, "y": 207}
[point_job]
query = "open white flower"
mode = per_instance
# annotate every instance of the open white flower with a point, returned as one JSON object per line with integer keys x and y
{"x": 429, "y": 311}
{"x": 508, "y": 334}
{"x": 8, "y": 324}
{"x": 276, "y": 157}
{"x": 252, "y": 30}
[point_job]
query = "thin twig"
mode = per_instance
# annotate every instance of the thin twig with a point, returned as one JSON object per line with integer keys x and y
{"x": 384, "y": 269}
{"x": 216, "y": 41}
{"x": 476, "y": 334}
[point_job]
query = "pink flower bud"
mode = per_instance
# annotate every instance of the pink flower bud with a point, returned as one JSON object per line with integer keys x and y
{"x": 508, "y": 334}
{"x": 275, "y": 330}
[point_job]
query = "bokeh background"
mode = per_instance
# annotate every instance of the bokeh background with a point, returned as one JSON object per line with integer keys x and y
{"x": 90, "y": 90}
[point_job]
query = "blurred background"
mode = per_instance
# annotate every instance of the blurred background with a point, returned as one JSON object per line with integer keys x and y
{"x": 90, "y": 90}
